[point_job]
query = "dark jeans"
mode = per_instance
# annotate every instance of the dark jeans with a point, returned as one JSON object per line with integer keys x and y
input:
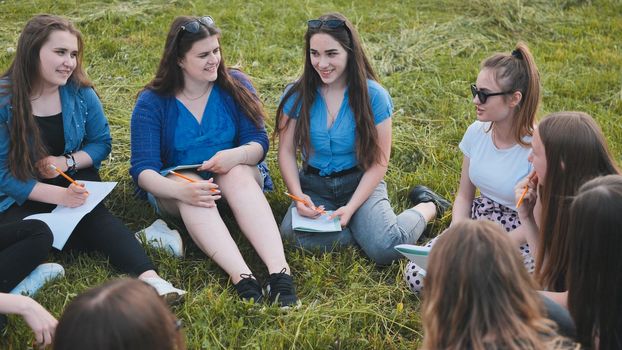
{"x": 23, "y": 246}
{"x": 99, "y": 230}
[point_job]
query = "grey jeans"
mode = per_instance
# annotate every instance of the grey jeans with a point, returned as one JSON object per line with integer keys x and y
{"x": 374, "y": 227}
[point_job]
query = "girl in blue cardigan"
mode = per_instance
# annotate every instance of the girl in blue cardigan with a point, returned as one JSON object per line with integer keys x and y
{"x": 196, "y": 111}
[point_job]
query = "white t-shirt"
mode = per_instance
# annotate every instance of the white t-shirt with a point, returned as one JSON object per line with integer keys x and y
{"x": 494, "y": 171}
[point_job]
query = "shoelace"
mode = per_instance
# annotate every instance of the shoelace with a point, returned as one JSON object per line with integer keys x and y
{"x": 279, "y": 283}
{"x": 248, "y": 283}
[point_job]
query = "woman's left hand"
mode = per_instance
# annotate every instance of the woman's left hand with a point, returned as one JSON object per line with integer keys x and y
{"x": 344, "y": 213}
{"x": 222, "y": 161}
{"x": 44, "y": 169}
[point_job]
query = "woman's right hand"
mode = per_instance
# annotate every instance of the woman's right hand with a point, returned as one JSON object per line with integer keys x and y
{"x": 202, "y": 193}
{"x": 42, "y": 323}
{"x": 74, "y": 196}
{"x": 307, "y": 209}
{"x": 528, "y": 202}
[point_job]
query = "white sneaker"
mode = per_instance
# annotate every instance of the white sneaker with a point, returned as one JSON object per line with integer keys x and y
{"x": 158, "y": 235}
{"x": 166, "y": 290}
{"x": 37, "y": 278}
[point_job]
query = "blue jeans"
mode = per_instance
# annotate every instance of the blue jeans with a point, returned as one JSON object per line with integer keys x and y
{"x": 374, "y": 227}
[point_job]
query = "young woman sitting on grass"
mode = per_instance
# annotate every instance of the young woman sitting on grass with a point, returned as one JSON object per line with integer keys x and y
{"x": 339, "y": 117}
{"x": 479, "y": 296}
{"x": 123, "y": 314}
{"x": 50, "y": 116}
{"x": 506, "y": 96}
{"x": 568, "y": 149}
{"x": 196, "y": 111}
{"x": 594, "y": 280}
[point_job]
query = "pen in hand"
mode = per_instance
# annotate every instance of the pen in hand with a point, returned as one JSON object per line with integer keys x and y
{"x": 189, "y": 179}
{"x": 62, "y": 173}
{"x": 298, "y": 199}
{"x": 522, "y": 196}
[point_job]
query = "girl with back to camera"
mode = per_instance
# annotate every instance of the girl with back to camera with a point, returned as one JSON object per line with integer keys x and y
{"x": 339, "y": 117}
{"x": 197, "y": 111}
{"x": 479, "y": 296}
{"x": 594, "y": 281}
{"x": 122, "y": 314}
{"x": 496, "y": 146}
{"x": 51, "y": 116}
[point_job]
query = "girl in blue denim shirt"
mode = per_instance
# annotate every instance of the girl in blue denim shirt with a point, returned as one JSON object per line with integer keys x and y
{"x": 338, "y": 115}
{"x": 50, "y": 115}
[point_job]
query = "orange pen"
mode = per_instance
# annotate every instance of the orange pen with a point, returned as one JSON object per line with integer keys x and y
{"x": 62, "y": 173}
{"x": 189, "y": 179}
{"x": 298, "y": 199}
{"x": 520, "y": 199}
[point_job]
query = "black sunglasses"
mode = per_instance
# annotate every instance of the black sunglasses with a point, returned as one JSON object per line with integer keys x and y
{"x": 329, "y": 23}
{"x": 194, "y": 25}
{"x": 483, "y": 95}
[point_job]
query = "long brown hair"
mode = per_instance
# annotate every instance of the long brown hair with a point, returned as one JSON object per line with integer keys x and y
{"x": 122, "y": 314}
{"x": 517, "y": 71}
{"x": 575, "y": 151}
{"x": 594, "y": 278}
{"x": 169, "y": 78}
{"x": 478, "y": 294}
{"x": 23, "y": 75}
{"x": 358, "y": 70}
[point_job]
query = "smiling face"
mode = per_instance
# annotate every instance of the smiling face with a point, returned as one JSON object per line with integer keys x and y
{"x": 537, "y": 157}
{"x": 497, "y": 108}
{"x": 200, "y": 63}
{"x": 328, "y": 58}
{"x": 57, "y": 59}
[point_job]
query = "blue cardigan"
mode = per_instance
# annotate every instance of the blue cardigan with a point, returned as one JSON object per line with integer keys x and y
{"x": 154, "y": 120}
{"x": 85, "y": 128}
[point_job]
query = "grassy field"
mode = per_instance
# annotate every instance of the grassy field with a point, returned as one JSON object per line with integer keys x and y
{"x": 426, "y": 52}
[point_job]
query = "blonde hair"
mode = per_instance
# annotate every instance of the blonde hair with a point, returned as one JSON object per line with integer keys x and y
{"x": 478, "y": 294}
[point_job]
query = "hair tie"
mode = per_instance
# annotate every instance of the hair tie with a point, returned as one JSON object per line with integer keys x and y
{"x": 517, "y": 54}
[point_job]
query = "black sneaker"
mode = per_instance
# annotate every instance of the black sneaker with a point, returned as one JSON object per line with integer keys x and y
{"x": 422, "y": 194}
{"x": 281, "y": 290}
{"x": 249, "y": 289}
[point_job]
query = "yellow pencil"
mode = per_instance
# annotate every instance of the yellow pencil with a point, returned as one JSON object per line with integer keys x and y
{"x": 520, "y": 199}
{"x": 62, "y": 173}
{"x": 189, "y": 179}
{"x": 298, "y": 199}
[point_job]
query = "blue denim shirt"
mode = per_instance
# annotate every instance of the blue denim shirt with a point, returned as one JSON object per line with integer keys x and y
{"x": 85, "y": 128}
{"x": 334, "y": 148}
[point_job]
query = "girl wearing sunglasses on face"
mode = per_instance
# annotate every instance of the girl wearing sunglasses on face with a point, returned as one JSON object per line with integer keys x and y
{"x": 50, "y": 115}
{"x": 339, "y": 117}
{"x": 196, "y": 111}
{"x": 506, "y": 96}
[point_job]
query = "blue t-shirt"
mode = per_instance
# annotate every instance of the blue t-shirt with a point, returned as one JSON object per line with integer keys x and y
{"x": 334, "y": 149}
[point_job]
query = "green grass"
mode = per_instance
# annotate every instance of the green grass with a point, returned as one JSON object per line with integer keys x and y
{"x": 426, "y": 52}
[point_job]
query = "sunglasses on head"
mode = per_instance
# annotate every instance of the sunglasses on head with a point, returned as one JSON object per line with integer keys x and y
{"x": 194, "y": 25}
{"x": 483, "y": 95}
{"x": 329, "y": 23}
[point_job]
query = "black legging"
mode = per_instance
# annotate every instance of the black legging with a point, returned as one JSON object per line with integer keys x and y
{"x": 23, "y": 246}
{"x": 99, "y": 230}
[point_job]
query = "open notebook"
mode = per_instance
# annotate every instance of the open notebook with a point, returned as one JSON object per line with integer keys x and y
{"x": 319, "y": 224}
